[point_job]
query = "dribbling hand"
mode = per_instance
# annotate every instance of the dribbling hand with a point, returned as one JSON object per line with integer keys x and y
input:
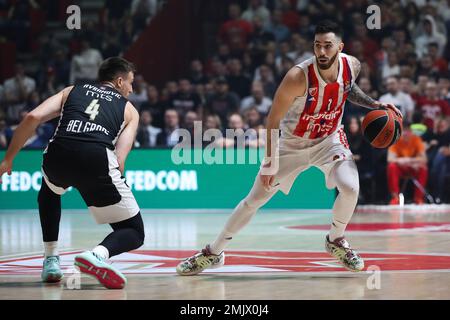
{"x": 5, "y": 166}
{"x": 391, "y": 107}
{"x": 267, "y": 181}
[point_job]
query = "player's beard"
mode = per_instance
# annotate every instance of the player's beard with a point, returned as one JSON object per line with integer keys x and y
{"x": 325, "y": 66}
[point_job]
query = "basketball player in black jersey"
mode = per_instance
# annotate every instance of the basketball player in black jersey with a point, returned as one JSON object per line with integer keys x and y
{"x": 95, "y": 133}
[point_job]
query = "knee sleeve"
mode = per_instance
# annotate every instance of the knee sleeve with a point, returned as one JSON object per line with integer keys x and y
{"x": 134, "y": 223}
{"x": 347, "y": 179}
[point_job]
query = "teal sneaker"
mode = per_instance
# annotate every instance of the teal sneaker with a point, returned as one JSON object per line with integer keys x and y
{"x": 51, "y": 271}
{"x": 106, "y": 274}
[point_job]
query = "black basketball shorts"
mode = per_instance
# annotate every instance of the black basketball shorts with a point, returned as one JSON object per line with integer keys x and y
{"x": 93, "y": 170}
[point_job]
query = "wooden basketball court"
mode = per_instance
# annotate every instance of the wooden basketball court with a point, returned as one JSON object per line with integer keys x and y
{"x": 280, "y": 255}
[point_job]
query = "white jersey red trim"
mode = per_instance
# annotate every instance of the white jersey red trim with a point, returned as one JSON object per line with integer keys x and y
{"x": 318, "y": 113}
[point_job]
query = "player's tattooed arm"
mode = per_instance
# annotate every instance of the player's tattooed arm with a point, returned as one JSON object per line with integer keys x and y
{"x": 358, "y": 97}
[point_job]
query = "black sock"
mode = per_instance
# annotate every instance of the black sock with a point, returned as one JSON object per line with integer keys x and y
{"x": 49, "y": 212}
{"x": 127, "y": 235}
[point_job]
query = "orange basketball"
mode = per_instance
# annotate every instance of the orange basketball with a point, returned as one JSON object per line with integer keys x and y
{"x": 382, "y": 128}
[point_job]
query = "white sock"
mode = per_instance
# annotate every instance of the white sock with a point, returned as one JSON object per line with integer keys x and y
{"x": 102, "y": 252}
{"x": 347, "y": 181}
{"x": 51, "y": 248}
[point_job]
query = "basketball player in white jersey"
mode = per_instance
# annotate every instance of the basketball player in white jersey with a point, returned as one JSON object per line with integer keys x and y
{"x": 307, "y": 109}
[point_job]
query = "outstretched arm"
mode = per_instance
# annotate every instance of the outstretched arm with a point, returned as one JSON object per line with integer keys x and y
{"x": 358, "y": 97}
{"x": 47, "y": 110}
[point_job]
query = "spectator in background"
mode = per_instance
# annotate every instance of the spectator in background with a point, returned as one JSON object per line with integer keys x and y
{"x": 283, "y": 50}
{"x": 277, "y": 28}
{"x": 196, "y": 75}
{"x": 422, "y": 80}
{"x": 407, "y": 157}
{"x": 253, "y": 119}
{"x": 211, "y": 128}
{"x": 401, "y": 100}
{"x": 391, "y": 68}
{"x": 369, "y": 45}
{"x": 49, "y": 87}
{"x": 235, "y": 31}
{"x": 440, "y": 167}
{"x": 85, "y": 65}
{"x": 111, "y": 45}
{"x": 406, "y": 85}
{"x": 267, "y": 78}
{"x": 238, "y": 82}
{"x": 438, "y": 63}
{"x": 223, "y": 53}
{"x": 259, "y": 41}
{"x": 306, "y": 27}
{"x": 257, "y": 99}
{"x": 185, "y": 99}
{"x": 172, "y": 88}
{"x": 426, "y": 67}
{"x": 381, "y": 56}
{"x": 431, "y": 105}
{"x": 139, "y": 94}
{"x": 286, "y": 65}
{"x": 217, "y": 69}
{"x": 430, "y": 34}
{"x": 169, "y": 136}
{"x": 236, "y": 123}
{"x": 154, "y": 106}
{"x": 16, "y": 90}
{"x": 142, "y": 11}
{"x": 257, "y": 9}
{"x": 146, "y": 133}
{"x": 212, "y": 121}
{"x": 444, "y": 88}
{"x": 223, "y": 102}
{"x": 114, "y": 9}
{"x": 34, "y": 99}
{"x": 189, "y": 123}
{"x": 290, "y": 15}
{"x": 300, "y": 52}
{"x": 58, "y": 68}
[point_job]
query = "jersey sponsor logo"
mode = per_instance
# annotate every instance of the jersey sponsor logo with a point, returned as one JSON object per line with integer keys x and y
{"x": 319, "y": 127}
{"x": 325, "y": 116}
{"x": 165, "y": 261}
{"x": 96, "y": 92}
{"x": 139, "y": 180}
{"x": 78, "y": 126}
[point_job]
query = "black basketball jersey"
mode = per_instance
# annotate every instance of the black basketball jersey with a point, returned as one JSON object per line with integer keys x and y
{"x": 92, "y": 113}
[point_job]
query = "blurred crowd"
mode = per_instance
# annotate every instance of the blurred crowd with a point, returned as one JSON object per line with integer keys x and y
{"x": 405, "y": 62}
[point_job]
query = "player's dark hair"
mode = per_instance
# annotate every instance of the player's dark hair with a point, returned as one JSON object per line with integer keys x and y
{"x": 326, "y": 26}
{"x": 113, "y": 67}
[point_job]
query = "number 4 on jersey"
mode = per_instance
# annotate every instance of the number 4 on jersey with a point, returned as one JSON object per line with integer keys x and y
{"x": 92, "y": 109}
